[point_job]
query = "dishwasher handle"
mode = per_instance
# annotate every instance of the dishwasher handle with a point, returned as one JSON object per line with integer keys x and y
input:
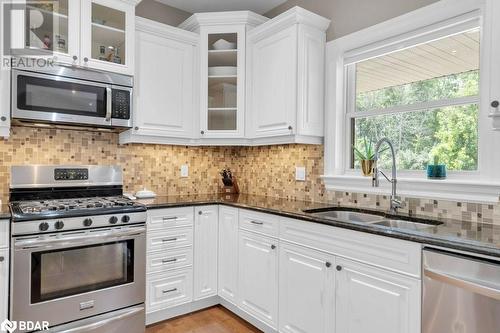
{"x": 470, "y": 285}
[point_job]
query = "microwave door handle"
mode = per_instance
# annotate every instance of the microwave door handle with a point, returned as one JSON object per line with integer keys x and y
{"x": 109, "y": 103}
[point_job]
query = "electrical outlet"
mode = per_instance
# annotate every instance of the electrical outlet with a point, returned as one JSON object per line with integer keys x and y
{"x": 184, "y": 171}
{"x": 300, "y": 173}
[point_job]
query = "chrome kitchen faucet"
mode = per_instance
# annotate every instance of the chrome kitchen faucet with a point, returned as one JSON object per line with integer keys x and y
{"x": 395, "y": 203}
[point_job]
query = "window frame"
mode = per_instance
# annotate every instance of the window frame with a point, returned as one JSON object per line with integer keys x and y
{"x": 437, "y": 20}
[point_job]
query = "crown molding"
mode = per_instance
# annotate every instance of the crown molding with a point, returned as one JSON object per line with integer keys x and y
{"x": 195, "y": 21}
{"x": 166, "y": 31}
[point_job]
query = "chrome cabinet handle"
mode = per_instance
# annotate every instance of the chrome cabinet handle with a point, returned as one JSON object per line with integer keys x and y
{"x": 290, "y": 128}
{"x": 86, "y": 59}
{"x": 495, "y": 104}
{"x": 169, "y": 218}
{"x": 2, "y": 259}
{"x": 328, "y": 264}
{"x": 169, "y": 240}
{"x": 3, "y": 118}
{"x": 257, "y": 222}
{"x": 273, "y": 247}
{"x": 109, "y": 103}
{"x": 202, "y": 132}
{"x": 169, "y": 290}
{"x": 75, "y": 58}
{"x": 166, "y": 261}
{"x": 339, "y": 268}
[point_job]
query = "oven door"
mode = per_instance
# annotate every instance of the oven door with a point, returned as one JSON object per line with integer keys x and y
{"x": 65, "y": 277}
{"x": 57, "y": 99}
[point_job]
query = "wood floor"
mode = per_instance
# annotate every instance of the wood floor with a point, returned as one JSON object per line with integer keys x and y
{"x": 212, "y": 320}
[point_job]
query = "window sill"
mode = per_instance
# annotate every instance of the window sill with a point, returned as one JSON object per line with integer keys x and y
{"x": 478, "y": 191}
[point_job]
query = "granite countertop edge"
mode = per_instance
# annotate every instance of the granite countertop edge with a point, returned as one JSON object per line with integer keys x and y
{"x": 414, "y": 236}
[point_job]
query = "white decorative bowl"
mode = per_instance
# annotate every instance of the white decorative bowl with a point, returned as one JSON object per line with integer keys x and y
{"x": 223, "y": 44}
{"x": 222, "y": 71}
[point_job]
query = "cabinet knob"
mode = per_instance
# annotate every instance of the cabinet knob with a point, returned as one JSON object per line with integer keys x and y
{"x": 3, "y": 118}
{"x": 86, "y": 59}
{"x": 495, "y": 104}
{"x": 136, "y": 128}
{"x": 339, "y": 268}
{"x": 200, "y": 213}
{"x": 75, "y": 58}
{"x": 202, "y": 132}
{"x": 290, "y": 128}
{"x": 273, "y": 247}
{"x": 2, "y": 259}
{"x": 328, "y": 264}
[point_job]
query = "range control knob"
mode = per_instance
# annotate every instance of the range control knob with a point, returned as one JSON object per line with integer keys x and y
{"x": 59, "y": 225}
{"x": 125, "y": 218}
{"x": 87, "y": 222}
{"x": 113, "y": 219}
{"x": 44, "y": 226}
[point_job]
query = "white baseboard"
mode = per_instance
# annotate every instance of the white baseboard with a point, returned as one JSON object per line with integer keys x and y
{"x": 161, "y": 315}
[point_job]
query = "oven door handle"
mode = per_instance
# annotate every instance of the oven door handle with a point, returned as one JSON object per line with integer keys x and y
{"x": 109, "y": 102}
{"x": 73, "y": 241}
{"x": 101, "y": 323}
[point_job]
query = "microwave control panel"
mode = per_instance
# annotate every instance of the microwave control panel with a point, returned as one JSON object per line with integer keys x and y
{"x": 120, "y": 104}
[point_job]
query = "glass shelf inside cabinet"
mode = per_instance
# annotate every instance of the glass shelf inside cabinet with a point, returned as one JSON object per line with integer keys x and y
{"x": 108, "y": 34}
{"x": 222, "y": 81}
{"x": 47, "y": 25}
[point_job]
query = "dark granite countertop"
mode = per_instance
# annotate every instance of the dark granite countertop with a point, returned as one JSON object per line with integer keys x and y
{"x": 474, "y": 237}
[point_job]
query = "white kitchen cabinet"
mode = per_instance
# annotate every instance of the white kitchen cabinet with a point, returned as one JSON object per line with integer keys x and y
{"x": 306, "y": 290}
{"x": 370, "y": 299}
{"x": 98, "y": 34}
{"x": 4, "y": 102}
{"x": 228, "y": 253}
{"x": 205, "y": 251}
{"x": 258, "y": 277}
{"x": 4, "y": 282}
{"x": 165, "y": 96}
{"x": 285, "y": 71}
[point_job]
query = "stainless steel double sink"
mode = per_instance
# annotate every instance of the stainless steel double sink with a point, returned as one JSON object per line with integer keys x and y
{"x": 379, "y": 219}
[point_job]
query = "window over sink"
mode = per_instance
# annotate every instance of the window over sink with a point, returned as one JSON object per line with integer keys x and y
{"x": 427, "y": 81}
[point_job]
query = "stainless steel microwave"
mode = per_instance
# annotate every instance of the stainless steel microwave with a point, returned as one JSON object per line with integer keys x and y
{"x": 72, "y": 96}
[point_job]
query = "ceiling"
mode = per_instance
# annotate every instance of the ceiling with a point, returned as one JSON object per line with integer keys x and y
{"x": 450, "y": 55}
{"x": 198, "y": 6}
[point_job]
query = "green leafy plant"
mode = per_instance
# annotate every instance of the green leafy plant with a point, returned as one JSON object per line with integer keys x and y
{"x": 366, "y": 152}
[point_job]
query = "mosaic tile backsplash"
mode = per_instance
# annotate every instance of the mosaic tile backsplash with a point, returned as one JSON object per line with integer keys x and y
{"x": 267, "y": 170}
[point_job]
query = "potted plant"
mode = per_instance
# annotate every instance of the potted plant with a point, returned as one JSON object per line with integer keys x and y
{"x": 366, "y": 157}
{"x": 436, "y": 170}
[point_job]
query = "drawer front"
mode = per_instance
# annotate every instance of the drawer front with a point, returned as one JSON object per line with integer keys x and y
{"x": 167, "y": 260}
{"x": 170, "y": 239}
{"x": 170, "y": 289}
{"x": 389, "y": 253}
{"x": 4, "y": 233}
{"x": 170, "y": 218}
{"x": 265, "y": 224}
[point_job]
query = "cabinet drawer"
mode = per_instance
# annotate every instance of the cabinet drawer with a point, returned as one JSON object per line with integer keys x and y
{"x": 167, "y": 260}
{"x": 170, "y": 239}
{"x": 265, "y": 224}
{"x": 394, "y": 254}
{"x": 4, "y": 233}
{"x": 169, "y": 289}
{"x": 170, "y": 218}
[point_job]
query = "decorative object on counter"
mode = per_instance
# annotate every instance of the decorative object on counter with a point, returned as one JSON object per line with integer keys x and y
{"x": 222, "y": 70}
{"x": 436, "y": 170}
{"x": 223, "y": 44}
{"x": 116, "y": 58}
{"x": 145, "y": 194}
{"x": 495, "y": 115}
{"x": 102, "y": 53}
{"x": 230, "y": 185}
{"x": 61, "y": 43}
{"x": 366, "y": 156}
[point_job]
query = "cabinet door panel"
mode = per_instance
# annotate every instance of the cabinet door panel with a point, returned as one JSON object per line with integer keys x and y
{"x": 373, "y": 300}
{"x": 205, "y": 251}
{"x": 164, "y": 91}
{"x": 258, "y": 277}
{"x": 4, "y": 283}
{"x": 228, "y": 253}
{"x": 306, "y": 290}
{"x": 273, "y": 91}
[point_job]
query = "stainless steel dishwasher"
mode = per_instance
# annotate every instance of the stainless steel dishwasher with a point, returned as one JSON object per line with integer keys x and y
{"x": 461, "y": 294}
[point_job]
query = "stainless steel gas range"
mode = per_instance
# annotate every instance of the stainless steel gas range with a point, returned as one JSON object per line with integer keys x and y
{"x": 78, "y": 250}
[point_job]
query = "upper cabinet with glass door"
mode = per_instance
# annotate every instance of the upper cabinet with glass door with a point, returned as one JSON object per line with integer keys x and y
{"x": 108, "y": 27}
{"x": 91, "y": 33}
{"x": 222, "y": 70}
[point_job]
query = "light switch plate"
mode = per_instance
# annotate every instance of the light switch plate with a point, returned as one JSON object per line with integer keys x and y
{"x": 184, "y": 171}
{"x": 300, "y": 173}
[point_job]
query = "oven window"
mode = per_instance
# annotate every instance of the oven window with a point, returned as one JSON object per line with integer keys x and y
{"x": 46, "y": 95}
{"x": 66, "y": 272}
